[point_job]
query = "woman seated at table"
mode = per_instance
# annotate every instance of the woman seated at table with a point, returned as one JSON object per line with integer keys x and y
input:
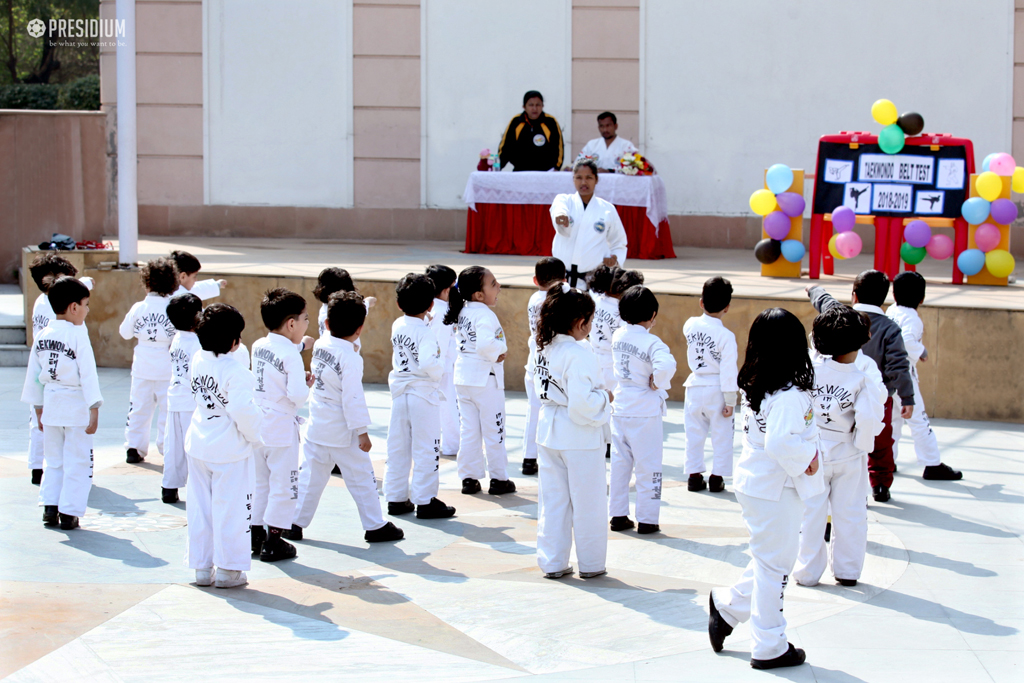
{"x": 533, "y": 140}
{"x": 588, "y": 231}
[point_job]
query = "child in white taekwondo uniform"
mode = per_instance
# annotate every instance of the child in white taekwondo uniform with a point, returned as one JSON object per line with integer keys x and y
{"x": 644, "y": 368}
{"x": 574, "y": 409}
{"x": 282, "y": 387}
{"x": 62, "y": 387}
{"x": 414, "y": 434}
{"x": 480, "y": 381}
{"x": 849, "y": 407}
{"x": 188, "y": 267}
{"x": 147, "y": 322}
{"x": 776, "y": 473}
{"x": 183, "y": 311}
{"x": 220, "y": 439}
{"x": 546, "y": 272}
{"x": 443, "y": 278}
{"x": 607, "y": 321}
{"x": 711, "y": 389}
{"x": 338, "y": 422}
{"x": 333, "y": 280}
{"x": 45, "y": 270}
{"x": 908, "y": 289}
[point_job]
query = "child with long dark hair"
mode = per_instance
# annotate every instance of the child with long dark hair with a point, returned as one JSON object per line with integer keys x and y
{"x": 777, "y": 471}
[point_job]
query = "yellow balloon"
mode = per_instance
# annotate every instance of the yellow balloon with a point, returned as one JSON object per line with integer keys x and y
{"x": 832, "y": 248}
{"x": 1018, "y": 179}
{"x": 999, "y": 262}
{"x": 989, "y": 186}
{"x": 762, "y": 202}
{"x": 884, "y": 112}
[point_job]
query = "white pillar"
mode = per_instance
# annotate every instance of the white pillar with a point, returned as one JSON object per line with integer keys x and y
{"x": 127, "y": 168}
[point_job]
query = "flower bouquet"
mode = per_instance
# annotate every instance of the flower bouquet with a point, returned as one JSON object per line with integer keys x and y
{"x": 635, "y": 164}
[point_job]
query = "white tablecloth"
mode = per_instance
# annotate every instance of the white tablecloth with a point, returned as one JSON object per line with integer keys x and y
{"x": 539, "y": 187}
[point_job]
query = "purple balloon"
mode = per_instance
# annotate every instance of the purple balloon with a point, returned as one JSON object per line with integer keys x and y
{"x": 843, "y": 219}
{"x": 791, "y": 204}
{"x": 917, "y": 234}
{"x": 777, "y": 225}
{"x": 1003, "y": 211}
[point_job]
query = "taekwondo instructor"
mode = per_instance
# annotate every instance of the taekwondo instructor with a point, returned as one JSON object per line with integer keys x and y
{"x": 588, "y": 231}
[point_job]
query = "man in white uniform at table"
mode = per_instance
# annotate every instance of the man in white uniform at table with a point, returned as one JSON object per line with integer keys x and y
{"x": 608, "y": 148}
{"x": 588, "y": 231}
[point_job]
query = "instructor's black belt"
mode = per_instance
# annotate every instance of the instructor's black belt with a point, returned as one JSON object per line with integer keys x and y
{"x": 572, "y": 275}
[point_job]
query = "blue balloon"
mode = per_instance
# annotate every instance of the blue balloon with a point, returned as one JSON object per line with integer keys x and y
{"x": 975, "y": 210}
{"x": 793, "y": 251}
{"x": 779, "y": 178}
{"x": 987, "y": 161}
{"x": 971, "y": 261}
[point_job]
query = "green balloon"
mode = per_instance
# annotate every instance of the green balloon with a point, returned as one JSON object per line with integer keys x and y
{"x": 912, "y": 255}
{"x": 891, "y": 139}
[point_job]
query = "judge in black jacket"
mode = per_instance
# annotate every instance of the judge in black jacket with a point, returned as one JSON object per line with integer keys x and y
{"x": 533, "y": 140}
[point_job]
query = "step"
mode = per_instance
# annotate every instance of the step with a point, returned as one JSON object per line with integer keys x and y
{"x": 13, "y": 356}
{"x": 12, "y": 334}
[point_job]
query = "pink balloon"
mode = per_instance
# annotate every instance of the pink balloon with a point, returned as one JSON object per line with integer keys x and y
{"x": 791, "y": 204}
{"x": 987, "y": 237}
{"x": 1002, "y": 164}
{"x": 777, "y": 225}
{"x": 917, "y": 234}
{"x": 843, "y": 219}
{"x": 1003, "y": 211}
{"x": 940, "y": 247}
{"x": 848, "y": 244}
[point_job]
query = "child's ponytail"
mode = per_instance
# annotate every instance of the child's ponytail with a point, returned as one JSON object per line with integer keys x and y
{"x": 561, "y": 309}
{"x": 471, "y": 281}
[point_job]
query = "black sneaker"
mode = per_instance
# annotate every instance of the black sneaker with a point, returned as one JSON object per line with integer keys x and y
{"x": 37, "y": 477}
{"x": 828, "y": 531}
{"x": 133, "y": 456}
{"x": 718, "y": 627}
{"x": 608, "y": 451}
{"x": 716, "y": 484}
{"x": 257, "y": 535}
{"x": 470, "y": 486}
{"x": 435, "y": 509}
{"x": 276, "y": 548}
{"x": 530, "y": 466}
{"x": 942, "y": 472}
{"x": 880, "y": 494}
{"x": 499, "y": 487}
{"x": 696, "y": 482}
{"x": 388, "y": 532}
{"x": 644, "y": 528}
{"x": 336, "y": 470}
{"x": 169, "y": 496}
{"x": 794, "y": 656}
{"x": 621, "y": 523}
{"x": 403, "y": 508}
{"x": 50, "y": 515}
{"x": 849, "y": 583}
{"x": 294, "y": 535}
{"x": 68, "y": 522}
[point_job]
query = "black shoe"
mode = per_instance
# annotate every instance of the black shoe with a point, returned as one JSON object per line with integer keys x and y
{"x": 644, "y": 528}
{"x": 276, "y": 548}
{"x": 388, "y": 532}
{"x": 895, "y": 469}
{"x": 257, "y": 535}
{"x": 37, "y": 477}
{"x": 470, "y": 486}
{"x": 336, "y": 470}
{"x": 621, "y": 523}
{"x": 499, "y": 487}
{"x": 880, "y": 494}
{"x": 133, "y": 456}
{"x": 50, "y": 515}
{"x": 794, "y": 656}
{"x": 169, "y": 496}
{"x": 849, "y": 583}
{"x": 530, "y": 466}
{"x": 942, "y": 472}
{"x": 696, "y": 482}
{"x": 435, "y": 509}
{"x": 68, "y": 522}
{"x": 716, "y": 484}
{"x": 608, "y": 451}
{"x": 828, "y": 531}
{"x": 403, "y": 508}
{"x": 294, "y": 535}
{"x": 718, "y": 627}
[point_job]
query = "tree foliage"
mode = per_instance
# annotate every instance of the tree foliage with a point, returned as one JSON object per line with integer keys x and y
{"x": 45, "y": 59}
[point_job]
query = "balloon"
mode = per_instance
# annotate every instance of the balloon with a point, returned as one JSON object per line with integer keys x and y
{"x": 971, "y": 261}
{"x": 1003, "y": 211}
{"x": 793, "y": 251}
{"x": 917, "y": 234}
{"x": 843, "y": 219}
{"x": 891, "y": 139}
{"x": 884, "y": 112}
{"x": 1018, "y": 179}
{"x": 791, "y": 204}
{"x": 911, "y": 254}
{"x": 777, "y": 225}
{"x": 762, "y": 202}
{"x": 1002, "y": 164}
{"x": 999, "y": 262}
{"x": 911, "y": 123}
{"x": 989, "y": 186}
{"x": 940, "y": 247}
{"x": 849, "y": 244}
{"x": 987, "y": 237}
{"x": 832, "y": 248}
{"x": 768, "y": 251}
{"x": 778, "y": 178}
{"x": 975, "y": 210}
{"x": 988, "y": 160}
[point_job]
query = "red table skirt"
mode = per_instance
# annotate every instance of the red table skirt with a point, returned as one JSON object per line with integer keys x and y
{"x": 526, "y": 229}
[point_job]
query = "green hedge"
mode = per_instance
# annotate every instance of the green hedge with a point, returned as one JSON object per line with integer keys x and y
{"x": 80, "y": 94}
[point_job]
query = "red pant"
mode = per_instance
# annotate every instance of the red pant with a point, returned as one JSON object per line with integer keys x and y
{"x": 880, "y": 461}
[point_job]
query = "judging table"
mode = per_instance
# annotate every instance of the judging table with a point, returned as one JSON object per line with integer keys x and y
{"x": 509, "y": 212}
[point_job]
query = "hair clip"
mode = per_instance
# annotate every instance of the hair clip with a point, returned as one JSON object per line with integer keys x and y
{"x": 566, "y": 288}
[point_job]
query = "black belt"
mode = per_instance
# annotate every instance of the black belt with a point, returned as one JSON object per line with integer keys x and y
{"x": 573, "y": 275}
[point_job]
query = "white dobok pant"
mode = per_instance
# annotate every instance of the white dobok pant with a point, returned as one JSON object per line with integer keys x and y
{"x": 636, "y": 446}
{"x": 449, "y": 415}
{"x": 68, "y": 452}
{"x": 219, "y": 498}
{"x": 147, "y": 396}
{"x": 35, "y": 442}
{"x": 175, "y": 458}
{"x": 276, "y": 490}
{"x": 482, "y": 414}
{"x": 572, "y": 503}
{"x": 414, "y": 442}
{"x": 925, "y": 444}
{"x": 532, "y": 418}
{"x": 702, "y": 413}
{"x": 356, "y": 470}
{"x": 774, "y": 528}
{"x": 846, "y": 491}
